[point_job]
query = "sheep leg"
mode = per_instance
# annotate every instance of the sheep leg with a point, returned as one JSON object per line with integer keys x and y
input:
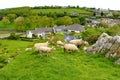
{"x": 64, "y": 50}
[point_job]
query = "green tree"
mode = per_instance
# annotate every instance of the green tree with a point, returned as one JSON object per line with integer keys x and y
{"x": 46, "y": 21}
{"x": 35, "y": 21}
{"x": 66, "y": 20}
{"x": 76, "y": 20}
{"x": 11, "y": 17}
{"x": 6, "y": 21}
{"x": 19, "y": 23}
{"x": 82, "y": 20}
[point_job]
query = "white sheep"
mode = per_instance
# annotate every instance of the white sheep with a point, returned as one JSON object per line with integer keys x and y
{"x": 46, "y": 49}
{"x": 86, "y": 43}
{"x": 85, "y": 48}
{"x": 70, "y": 47}
{"x": 60, "y": 43}
{"x": 77, "y": 42}
{"x": 28, "y": 49}
{"x": 37, "y": 45}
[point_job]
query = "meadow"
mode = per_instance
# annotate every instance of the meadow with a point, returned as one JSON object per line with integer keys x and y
{"x": 62, "y": 10}
{"x": 57, "y": 66}
{"x": 7, "y": 26}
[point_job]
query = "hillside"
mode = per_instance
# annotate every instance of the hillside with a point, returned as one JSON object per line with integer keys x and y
{"x": 58, "y": 66}
{"x": 62, "y": 10}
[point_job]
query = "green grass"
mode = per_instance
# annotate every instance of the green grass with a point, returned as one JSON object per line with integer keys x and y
{"x": 80, "y": 11}
{"x": 8, "y": 26}
{"x": 58, "y": 66}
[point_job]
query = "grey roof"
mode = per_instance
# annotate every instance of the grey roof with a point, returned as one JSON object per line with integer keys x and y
{"x": 44, "y": 29}
{"x": 76, "y": 27}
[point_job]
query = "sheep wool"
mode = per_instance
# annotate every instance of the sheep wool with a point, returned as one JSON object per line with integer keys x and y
{"x": 77, "y": 42}
{"x": 37, "y": 45}
{"x": 70, "y": 47}
{"x": 45, "y": 49}
{"x": 60, "y": 43}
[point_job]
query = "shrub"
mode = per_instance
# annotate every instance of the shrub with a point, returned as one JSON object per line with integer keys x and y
{"x": 13, "y": 36}
{"x": 91, "y": 34}
{"x": 114, "y": 30}
{"x": 0, "y": 44}
{"x": 55, "y": 38}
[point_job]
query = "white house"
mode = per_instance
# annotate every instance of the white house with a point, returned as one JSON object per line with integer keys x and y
{"x": 29, "y": 34}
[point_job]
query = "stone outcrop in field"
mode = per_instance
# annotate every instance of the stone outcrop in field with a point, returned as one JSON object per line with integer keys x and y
{"x": 108, "y": 44}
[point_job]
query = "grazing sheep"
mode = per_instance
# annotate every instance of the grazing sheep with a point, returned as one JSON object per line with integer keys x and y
{"x": 37, "y": 45}
{"x": 28, "y": 49}
{"x": 85, "y": 48}
{"x": 70, "y": 47}
{"x": 86, "y": 43}
{"x": 46, "y": 49}
{"x": 77, "y": 42}
{"x": 60, "y": 43}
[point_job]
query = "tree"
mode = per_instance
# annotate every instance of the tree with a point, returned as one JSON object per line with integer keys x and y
{"x": 82, "y": 20}
{"x": 27, "y": 24}
{"x": 76, "y": 20}
{"x": 94, "y": 14}
{"x": 46, "y": 21}
{"x": 19, "y": 23}
{"x": 103, "y": 24}
{"x": 66, "y": 20}
{"x": 11, "y": 17}
{"x": 102, "y": 14}
{"x": 35, "y": 21}
{"x": 1, "y": 18}
{"x": 6, "y": 21}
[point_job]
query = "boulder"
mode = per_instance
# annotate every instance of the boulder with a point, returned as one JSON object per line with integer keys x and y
{"x": 118, "y": 61}
{"x": 108, "y": 44}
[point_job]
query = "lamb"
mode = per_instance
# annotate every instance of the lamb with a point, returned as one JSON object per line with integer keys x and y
{"x": 46, "y": 49}
{"x": 77, "y": 42}
{"x": 28, "y": 49}
{"x": 86, "y": 44}
{"x": 37, "y": 45}
{"x": 70, "y": 47}
{"x": 60, "y": 43}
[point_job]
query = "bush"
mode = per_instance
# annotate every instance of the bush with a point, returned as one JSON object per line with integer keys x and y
{"x": 26, "y": 39}
{"x": 0, "y": 44}
{"x": 55, "y": 38}
{"x": 91, "y": 34}
{"x": 114, "y": 30}
{"x": 13, "y": 36}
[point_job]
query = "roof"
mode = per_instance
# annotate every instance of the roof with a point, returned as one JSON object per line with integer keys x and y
{"x": 76, "y": 27}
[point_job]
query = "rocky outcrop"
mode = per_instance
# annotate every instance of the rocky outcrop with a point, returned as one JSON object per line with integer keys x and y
{"x": 118, "y": 61}
{"x": 108, "y": 44}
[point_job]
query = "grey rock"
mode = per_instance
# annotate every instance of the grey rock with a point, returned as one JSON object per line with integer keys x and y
{"x": 106, "y": 43}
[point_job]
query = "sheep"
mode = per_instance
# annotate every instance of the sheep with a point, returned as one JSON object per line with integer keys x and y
{"x": 85, "y": 48}
{"x": 86, "y": 44}
{"x": 60, "y": 43}
{"x": 28, "y": 49}
{"x": 46, "y": 49}
{"x": 77, "y": 42}
{"x": 70, "y": 47}
{"x": 37, "y": 45}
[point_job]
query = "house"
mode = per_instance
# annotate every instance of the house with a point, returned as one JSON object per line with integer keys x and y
{"x": 109, "y": 21}
{"x": 109, "y": 15}
{"x": 92, "y": 23}
{"x": 59, "y": 29}
{"x": 39, "y": 32}
{"x": 42, "y": 32}
{"x": 75, "y": 28}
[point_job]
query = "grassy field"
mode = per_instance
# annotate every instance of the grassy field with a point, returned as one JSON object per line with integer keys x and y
{"x": 58, "y": 66}
{"x": 80, "y": 11}
{"x": 8, "y": 26}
